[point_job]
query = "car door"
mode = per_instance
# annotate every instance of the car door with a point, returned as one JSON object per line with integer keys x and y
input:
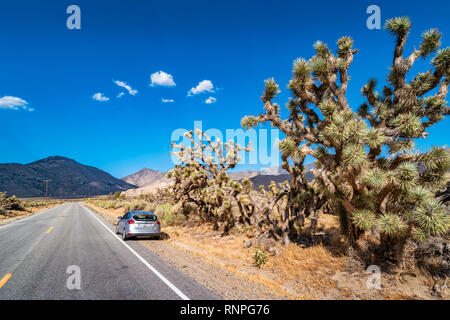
{"x": 123, "y": 221}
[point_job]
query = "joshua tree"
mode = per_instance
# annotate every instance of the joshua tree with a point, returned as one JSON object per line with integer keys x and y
{"x": 366, "y": 162}
{"x": 302, "y": 200}
{"x": 202, "y": 177}
{"x": 9, "y": 203}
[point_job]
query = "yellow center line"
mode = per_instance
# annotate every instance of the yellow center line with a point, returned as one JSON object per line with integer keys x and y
{"x": 5, "y": 279}
{"x": 51, "y": 228}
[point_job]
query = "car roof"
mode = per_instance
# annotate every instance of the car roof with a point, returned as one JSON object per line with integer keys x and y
{"x": 147, "y": 212}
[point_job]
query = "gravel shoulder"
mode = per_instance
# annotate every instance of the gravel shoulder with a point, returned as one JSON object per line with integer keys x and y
{"x": 213, "y": 277}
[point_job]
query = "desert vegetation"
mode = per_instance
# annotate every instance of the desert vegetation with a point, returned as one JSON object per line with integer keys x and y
{"x": 368, "y": 171}
{"x": 169, "y": 214}
{"x": 9, "y": 203}
{"x": 389, "y": 198}
{"x": 11, "y": 206}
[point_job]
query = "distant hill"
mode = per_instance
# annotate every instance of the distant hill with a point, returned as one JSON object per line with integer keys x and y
{"x": 265, "y": 180}
{"x": 144, "y": 177}
{"x": 69, "y": 179}
{"x": 277, "y": 175}
{"x": 150, "y": 188}
{"x": 262, "y": 177}
{"x": 239, "y": 175}
{"x": 272, "y": 171}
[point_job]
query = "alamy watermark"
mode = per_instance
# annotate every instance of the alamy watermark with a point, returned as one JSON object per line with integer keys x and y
{"x": 374, "y": 280}
{"x": 74, "y": 20}
{"x": 374, "y": 20}
{"x": 264, "y": 143}
{"x": 74, "y": 280}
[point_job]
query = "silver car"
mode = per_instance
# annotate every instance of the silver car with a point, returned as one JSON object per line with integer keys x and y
{"x": 137, "y": 224}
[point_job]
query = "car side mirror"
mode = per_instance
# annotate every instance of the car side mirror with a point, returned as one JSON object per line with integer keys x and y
{"x": 119, "y": 218}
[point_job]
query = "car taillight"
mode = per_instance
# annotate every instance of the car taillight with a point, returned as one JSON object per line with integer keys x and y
{"x": 158, "y": 222}
{"x": 131, "y": 222}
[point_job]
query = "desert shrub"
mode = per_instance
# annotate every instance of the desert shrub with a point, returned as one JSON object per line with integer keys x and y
{"x": 112, "y": 204}
{"x": 433, "y": 255}
{"x": 127, "y": 207}
{"x": 117, "y": 204}
{"x": 2, "y": 211}
{"x": 10, "y": 203}
{"x": 149, "y": 208}
{"x": 163, "y": 209}
{"x": 135, "y": 205}
{"x": 260, "y": 257}
{"x": 169, "y": 214}
{"x": 39, "y": 203}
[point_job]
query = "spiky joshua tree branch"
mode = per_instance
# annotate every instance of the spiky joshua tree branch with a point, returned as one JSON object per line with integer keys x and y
{"x": 367, "y": 165}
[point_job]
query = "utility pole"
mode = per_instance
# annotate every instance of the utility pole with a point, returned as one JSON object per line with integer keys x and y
{"x": 46, "y": 189}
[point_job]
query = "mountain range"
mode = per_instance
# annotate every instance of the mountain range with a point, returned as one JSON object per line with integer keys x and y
{"x": 70, "y": 179}
{"x": 67, "y": 179}
{"x": 267, "y": 175}
{"x": 271, "y": 171}
{"x": 148, "y": 180}
{"x": 144, "y": 177}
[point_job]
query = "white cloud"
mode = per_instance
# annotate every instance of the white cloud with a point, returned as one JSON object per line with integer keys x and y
{"x": 161, "y": 78}
{"x": 205, "y": 85}
{"x": 100, "y": 97}
{"x": 120, "y": 95}
{"x": 167, "y": 100}
{"x": 122, "y": 84}
{"x": 210, "y": 100}
{"x": 14, "y": 103}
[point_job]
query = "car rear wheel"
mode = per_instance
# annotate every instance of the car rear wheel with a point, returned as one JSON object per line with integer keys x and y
{"x": 124, "y": 235}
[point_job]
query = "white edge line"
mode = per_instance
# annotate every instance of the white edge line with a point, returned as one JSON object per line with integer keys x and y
{"x": 148, "y": 265}
{"x": 29, "y": 217}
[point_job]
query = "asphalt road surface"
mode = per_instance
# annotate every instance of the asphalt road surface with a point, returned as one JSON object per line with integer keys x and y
{"x": 70, "y": 252}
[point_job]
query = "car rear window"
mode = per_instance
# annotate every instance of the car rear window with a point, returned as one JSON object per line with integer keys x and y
{"x": 144, "y": 217}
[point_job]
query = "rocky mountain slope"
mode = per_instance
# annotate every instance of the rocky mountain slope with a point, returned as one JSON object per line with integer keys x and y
{"x": 151, "y": 188}
{"x": 69, "y": 179}
{"x": 143, "y": 177}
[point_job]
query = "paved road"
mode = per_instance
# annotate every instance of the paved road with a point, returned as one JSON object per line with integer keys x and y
{"x": 36, "y": 252}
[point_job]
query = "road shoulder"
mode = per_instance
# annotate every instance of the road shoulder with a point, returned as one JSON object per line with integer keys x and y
{"x": 21, "y": 215}
{"x": 212, "y": 276}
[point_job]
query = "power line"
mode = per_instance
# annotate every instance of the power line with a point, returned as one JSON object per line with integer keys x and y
{"x": 46, "y": 189}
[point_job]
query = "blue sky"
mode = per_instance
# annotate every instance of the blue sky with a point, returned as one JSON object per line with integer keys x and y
{"x": 233, "y": 44}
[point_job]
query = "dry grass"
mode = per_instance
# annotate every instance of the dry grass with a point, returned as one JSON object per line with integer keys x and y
{"x": 13, "y": 215}
{"x": 286, "y": 274}
{"x": 314, "y": 265}
{"x": 109, "y": 214}
{"x": 295, "y": 272}
{"x": 226, "y": 252}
